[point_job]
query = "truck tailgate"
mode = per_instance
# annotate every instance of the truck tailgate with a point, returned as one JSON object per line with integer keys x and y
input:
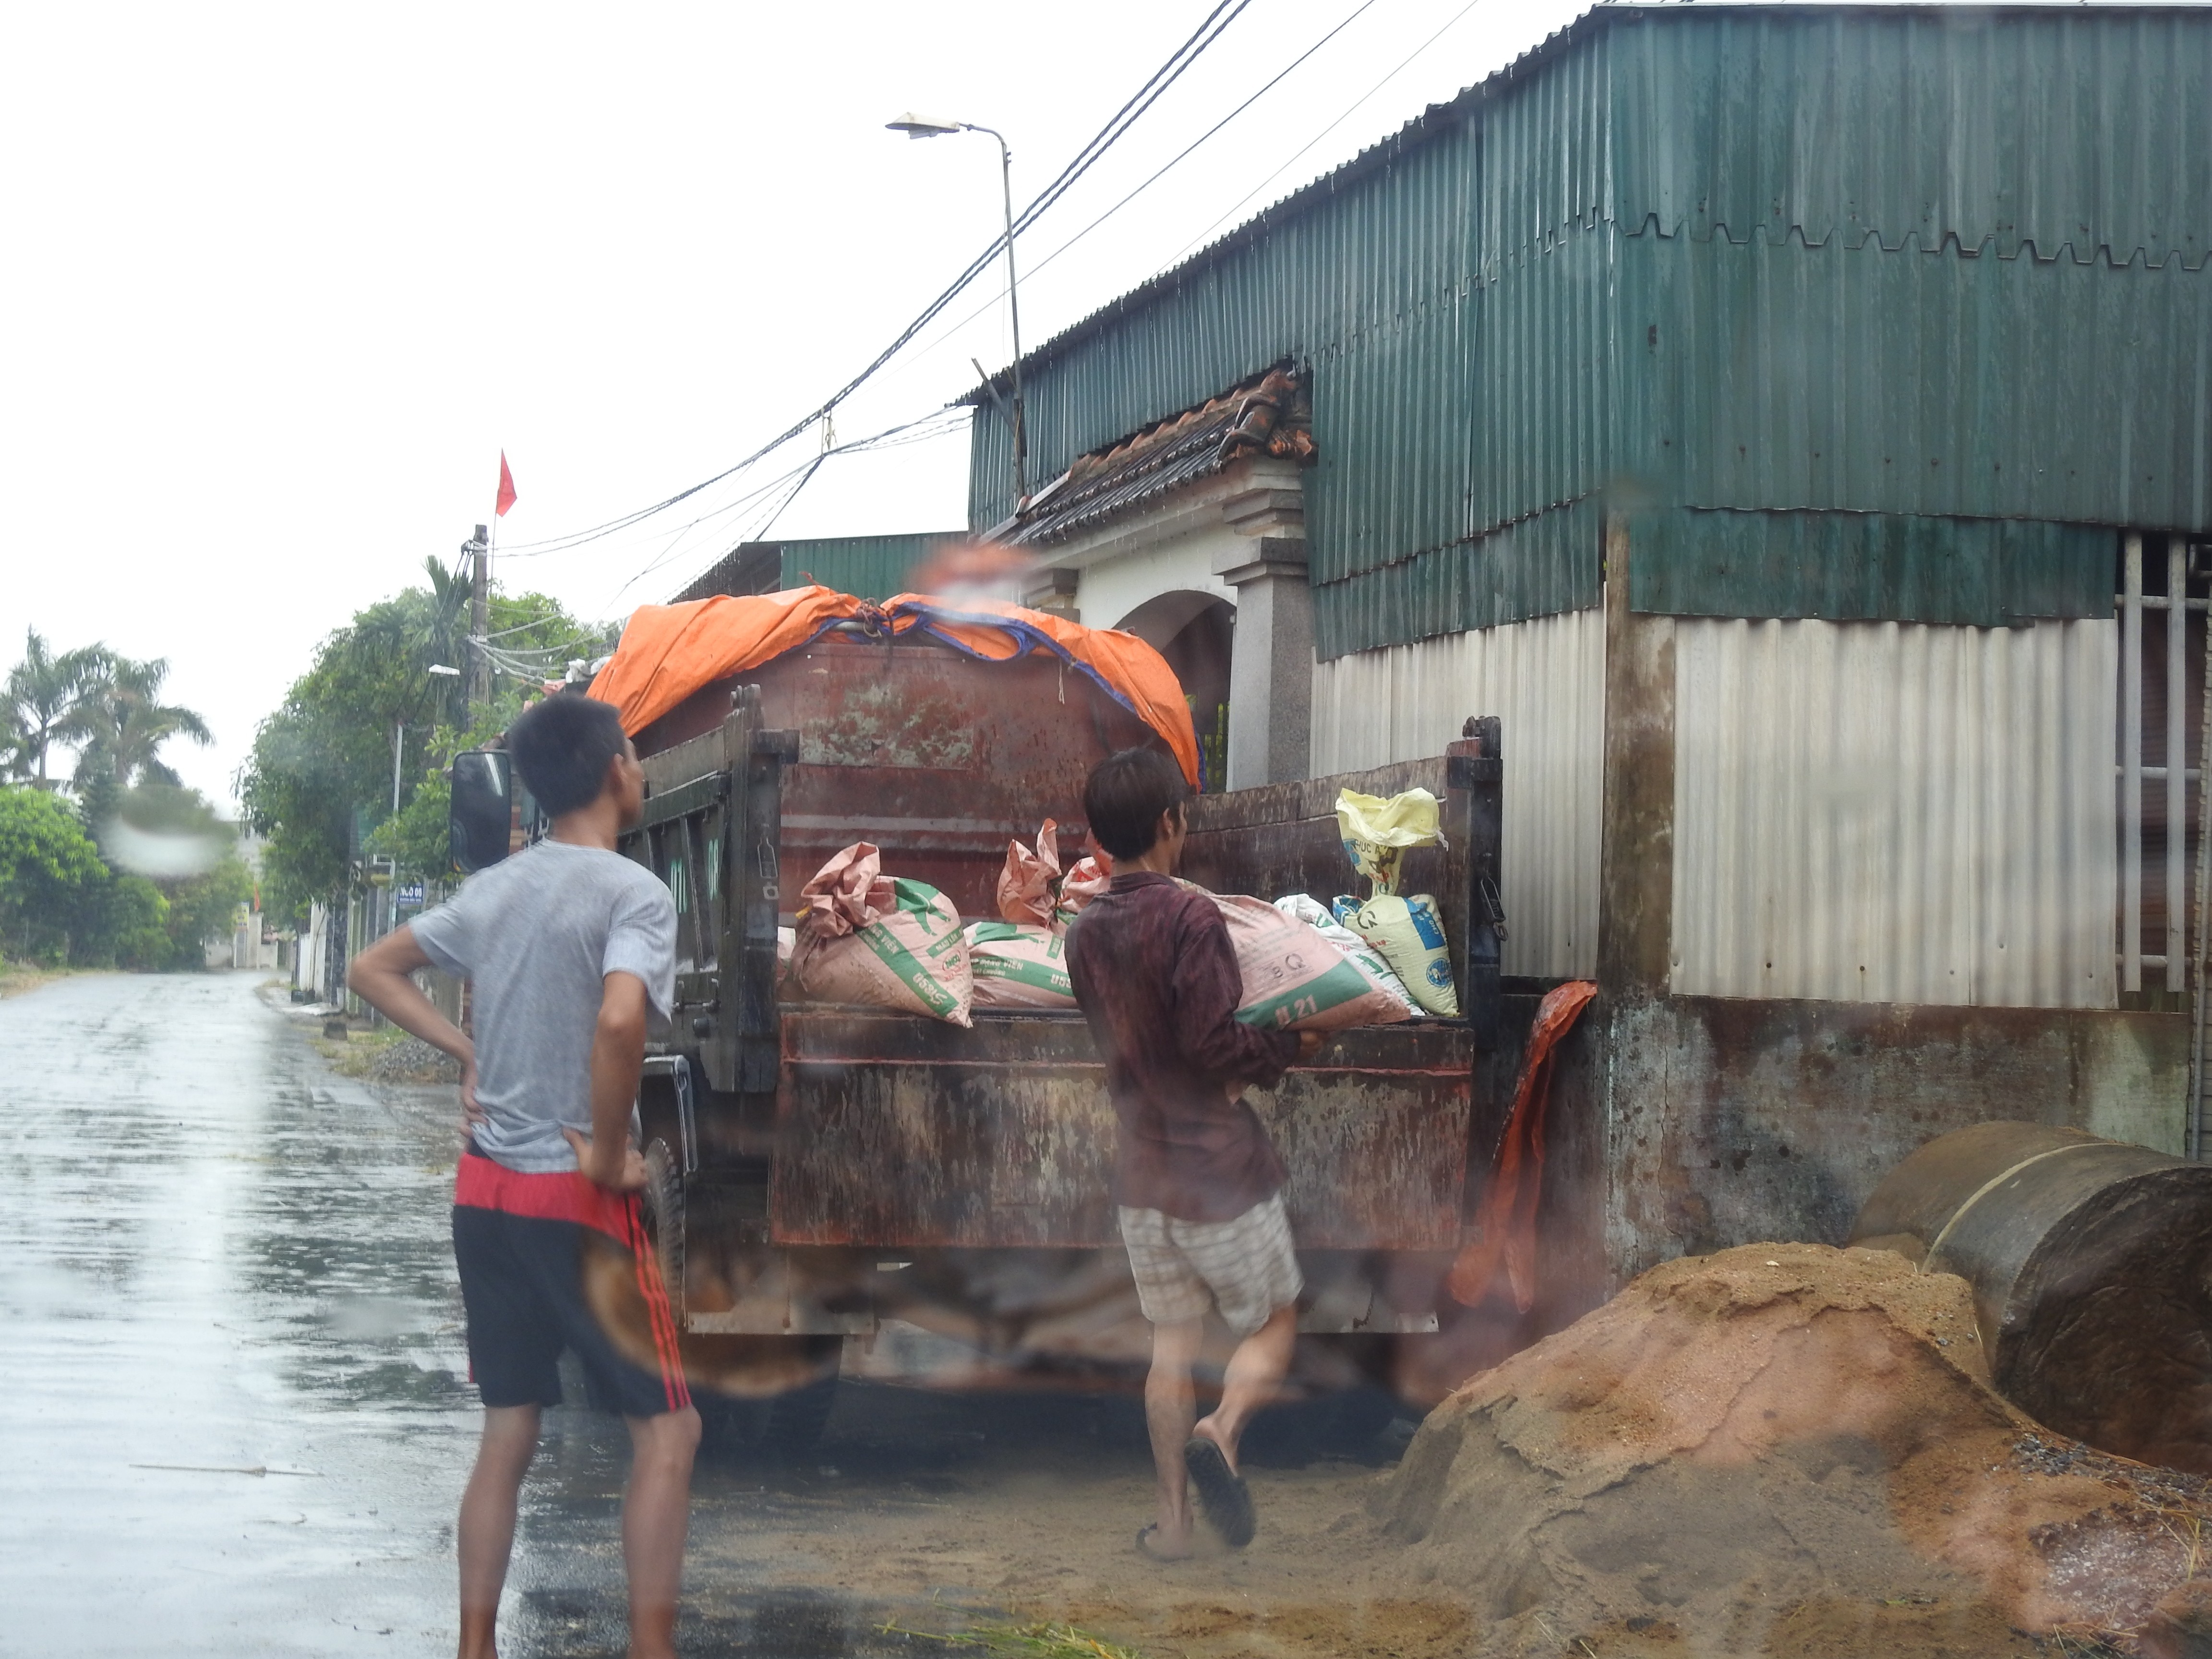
{"x": 895, "y": 1131}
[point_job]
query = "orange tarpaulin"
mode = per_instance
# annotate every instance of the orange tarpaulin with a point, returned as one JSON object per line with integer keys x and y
{"x": 670, "y": 651}
{"x": 1506, "y": 1222}
{"x": 1129, "y": 671}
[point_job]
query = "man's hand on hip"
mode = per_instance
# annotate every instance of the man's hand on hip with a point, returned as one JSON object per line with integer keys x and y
{"x": 624, "y": 1172}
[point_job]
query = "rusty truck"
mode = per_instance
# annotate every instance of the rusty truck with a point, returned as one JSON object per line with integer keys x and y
{"x": 851, "y": 1186}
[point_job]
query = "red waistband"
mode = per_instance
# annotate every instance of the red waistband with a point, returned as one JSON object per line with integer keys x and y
{"x": 560, "y": 1195}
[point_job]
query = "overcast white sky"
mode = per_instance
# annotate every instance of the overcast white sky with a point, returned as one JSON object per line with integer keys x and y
{"x": 282, "y": 282}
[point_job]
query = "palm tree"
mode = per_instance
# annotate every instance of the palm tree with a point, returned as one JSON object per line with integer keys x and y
{"x": 46, "y": 701}
{"x": 125, "y": 723}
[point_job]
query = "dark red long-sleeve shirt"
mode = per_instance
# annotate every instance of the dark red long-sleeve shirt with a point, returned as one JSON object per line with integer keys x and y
{"x": 1156, "y": 976}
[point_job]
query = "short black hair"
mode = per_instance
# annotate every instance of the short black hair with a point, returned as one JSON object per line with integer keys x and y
{"x": 561, "y": 747}
{"x": 1124, "y": 797}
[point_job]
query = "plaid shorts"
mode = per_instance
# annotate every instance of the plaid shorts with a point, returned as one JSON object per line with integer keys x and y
{"x": 1245, "y": 1267}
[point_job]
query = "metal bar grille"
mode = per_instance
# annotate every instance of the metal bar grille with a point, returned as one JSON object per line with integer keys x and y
{"x": 2164, "y": 689}
{"x": 2176, "y": 747}
{"x": 2131, "y": 733}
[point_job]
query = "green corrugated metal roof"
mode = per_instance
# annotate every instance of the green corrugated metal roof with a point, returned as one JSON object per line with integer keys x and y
{"x": 869, "y": 567}
{"x": 1686, "y": 249}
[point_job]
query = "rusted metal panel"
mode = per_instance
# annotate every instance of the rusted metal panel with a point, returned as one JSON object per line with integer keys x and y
{"x": 936, "y": 757}
{"x": 895, "y": 1131}
{"x": 1283, "y": 838}
{"x": 1546, "y": 681}
{"x": 1894, "y": 813}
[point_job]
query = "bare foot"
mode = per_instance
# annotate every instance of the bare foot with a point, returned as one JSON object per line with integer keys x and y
{"x": 1157, "y": 1542}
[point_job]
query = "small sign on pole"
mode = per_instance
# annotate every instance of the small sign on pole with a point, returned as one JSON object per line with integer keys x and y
{"x": 410, "y": 895}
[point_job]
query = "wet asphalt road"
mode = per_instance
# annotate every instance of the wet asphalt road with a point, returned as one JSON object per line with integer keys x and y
{"x": 232, "y": 1371}
{"x": 215, "y": 1256}
{"x": 232, "y": 1361}
{"x": 234, "y": 1381}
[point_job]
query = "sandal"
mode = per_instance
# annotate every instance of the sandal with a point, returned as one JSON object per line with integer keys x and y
{"x": 1222, "y": 1493}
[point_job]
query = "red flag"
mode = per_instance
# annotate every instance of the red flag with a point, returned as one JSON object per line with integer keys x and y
{"x": 506, "y": 488}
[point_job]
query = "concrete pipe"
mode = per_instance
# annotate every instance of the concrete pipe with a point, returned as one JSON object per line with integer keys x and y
{"x": 2091, "y": 1264}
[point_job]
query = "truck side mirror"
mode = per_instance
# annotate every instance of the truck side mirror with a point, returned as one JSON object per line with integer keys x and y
{"x": 481, "y": 818}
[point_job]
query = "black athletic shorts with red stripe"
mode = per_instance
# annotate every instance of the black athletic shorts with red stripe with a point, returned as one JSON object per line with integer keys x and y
{"x": 519, "y": 1240}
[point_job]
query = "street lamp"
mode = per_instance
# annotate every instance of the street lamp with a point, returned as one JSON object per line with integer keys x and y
{"x": 437, "y": 671}
{"x": 921, "y": 126}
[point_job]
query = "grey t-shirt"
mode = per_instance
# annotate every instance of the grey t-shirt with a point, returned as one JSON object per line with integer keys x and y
{"x": 538, "y": 933}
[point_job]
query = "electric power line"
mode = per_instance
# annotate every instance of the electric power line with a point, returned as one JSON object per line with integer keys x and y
{"x": 1210, "y": 30}
{"x": 1179, "y": 158}
{"x": 1323, "y": 133}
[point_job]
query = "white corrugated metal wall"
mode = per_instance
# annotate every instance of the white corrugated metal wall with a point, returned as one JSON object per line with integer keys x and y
{"x": 1545, "y": 679}
{"x": 1895, "y": 812}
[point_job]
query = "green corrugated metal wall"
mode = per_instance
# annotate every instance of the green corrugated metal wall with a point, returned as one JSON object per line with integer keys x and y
{"x": 1849, "y": 567}
{"x": 1940, "y": 262}
{"x": 870, "y": 567}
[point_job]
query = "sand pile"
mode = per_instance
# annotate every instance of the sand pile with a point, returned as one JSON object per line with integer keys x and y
{"x": 1786, "y": 1448}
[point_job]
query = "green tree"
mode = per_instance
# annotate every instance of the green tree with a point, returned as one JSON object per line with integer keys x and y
{"x": 45, "y": 701}
{"x": 415, "y": 836}
{"x": 202, "y": 908}
{"x": 124, "y": 723}
{"x": 124, "y": 923}
{"x": 52, "y": 879}
{"x": 319, "y": 783}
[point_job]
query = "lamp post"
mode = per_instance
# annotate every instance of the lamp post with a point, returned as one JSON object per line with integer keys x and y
{"x": 920, "y": 126}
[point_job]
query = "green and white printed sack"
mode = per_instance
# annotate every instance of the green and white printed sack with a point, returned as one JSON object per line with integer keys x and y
{"x": 1294, "y": 979}
{"x": 1020, "y": 964}
{"x": 881, "y": 942}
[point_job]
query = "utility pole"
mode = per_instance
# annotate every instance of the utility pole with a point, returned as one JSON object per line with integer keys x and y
{"x": 480, "y": 621}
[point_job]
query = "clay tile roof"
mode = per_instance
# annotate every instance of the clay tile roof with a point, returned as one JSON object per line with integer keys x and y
{"x": 1268, "y": 414}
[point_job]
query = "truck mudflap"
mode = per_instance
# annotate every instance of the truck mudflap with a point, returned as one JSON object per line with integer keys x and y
{"x": 895, "y": 1132}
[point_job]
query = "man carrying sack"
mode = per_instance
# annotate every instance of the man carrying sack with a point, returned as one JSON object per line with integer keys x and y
{"x": 1198, "y": 1183}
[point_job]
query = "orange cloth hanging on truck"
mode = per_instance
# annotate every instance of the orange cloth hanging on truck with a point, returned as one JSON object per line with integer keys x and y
{"x": 1505, "y": 1236}
{"x": 670, "y": 651}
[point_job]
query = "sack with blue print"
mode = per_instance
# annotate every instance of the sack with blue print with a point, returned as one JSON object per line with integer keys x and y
{"x": 1409, "y": 933}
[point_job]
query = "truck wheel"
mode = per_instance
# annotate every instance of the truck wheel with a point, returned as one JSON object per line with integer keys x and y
{"x": 794, "y": 1421}
{"x": 1342, "y": 1424}
{"x": 778, "y": 1428}
{"x": 662, "y": 1202}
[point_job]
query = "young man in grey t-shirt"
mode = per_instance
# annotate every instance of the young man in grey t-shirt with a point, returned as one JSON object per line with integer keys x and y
{"x": 570, "y": 948}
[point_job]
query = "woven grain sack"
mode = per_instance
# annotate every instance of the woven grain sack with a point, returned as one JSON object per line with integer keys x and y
{"x": 1020, "y": 964}
{"x": 1302, "y": 907}
{"x": 1294, "y": 979}
{"x": 1028, "y": 885}
{"x": 1089, "y": 878}
{"x": 881, "y": 942}
{"x": 1409, "y": 933}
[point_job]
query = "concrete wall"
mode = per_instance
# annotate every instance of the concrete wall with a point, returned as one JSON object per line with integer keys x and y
{"x": 1727, "y": 1120}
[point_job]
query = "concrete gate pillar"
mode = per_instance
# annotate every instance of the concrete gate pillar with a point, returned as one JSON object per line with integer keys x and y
{"x": 1271, "y": 666}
